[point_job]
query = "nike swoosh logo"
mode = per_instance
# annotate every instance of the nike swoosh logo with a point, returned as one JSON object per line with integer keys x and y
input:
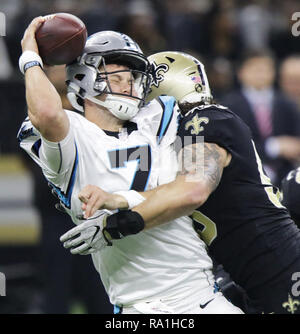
{"x": 204, "y": 305}
{"x": 96, "y": 232}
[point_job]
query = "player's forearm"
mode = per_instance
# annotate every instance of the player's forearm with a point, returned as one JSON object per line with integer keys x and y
{"x": 40, "y": 93}
{"x": 170, "y": 201}
{"x": 115, "y": 202}
{"x": 200, "y": 175}
{"x": 147, "y": 194}
{"x": 44, "y": 105}
{"x": 173, "y": 200}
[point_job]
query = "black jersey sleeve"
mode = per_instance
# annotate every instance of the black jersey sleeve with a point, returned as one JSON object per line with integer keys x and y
{"x": 216, "y": 124}
{"x": 291, "y": 194}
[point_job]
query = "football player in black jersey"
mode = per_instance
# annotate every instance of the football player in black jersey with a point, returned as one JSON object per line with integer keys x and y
{"x": 223, "y": 187}
{"x": 290, "y": 188}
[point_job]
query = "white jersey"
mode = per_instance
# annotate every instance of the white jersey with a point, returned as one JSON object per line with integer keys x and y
{"x": 167, "y": 262}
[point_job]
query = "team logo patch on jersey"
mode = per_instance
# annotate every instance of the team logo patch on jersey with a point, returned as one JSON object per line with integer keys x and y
{"x": 195, "y": 123}
{"x": 291, "y": 305}
{"x": 25, "y": 132}
{"x": 156, "y": 78}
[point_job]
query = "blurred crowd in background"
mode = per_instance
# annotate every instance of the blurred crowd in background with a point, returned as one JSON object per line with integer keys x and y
{"x": 252, "y": 61}
{"x": 219, "y": 32}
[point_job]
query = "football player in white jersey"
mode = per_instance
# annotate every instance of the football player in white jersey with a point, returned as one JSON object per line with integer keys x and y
{"x": 238, "y": 212}
{"x": 117, "y": 146}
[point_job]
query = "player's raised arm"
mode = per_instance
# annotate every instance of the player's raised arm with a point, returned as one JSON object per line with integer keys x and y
{"x": 44, "y": 104}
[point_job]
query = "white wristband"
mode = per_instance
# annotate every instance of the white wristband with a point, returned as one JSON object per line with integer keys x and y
{"x": 133, "y": 197}
{"x": 27, "y": 57}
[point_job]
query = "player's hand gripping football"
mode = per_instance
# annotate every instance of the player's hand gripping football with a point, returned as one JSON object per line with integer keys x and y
{"x": 29, "y": 42}
{"x": 87, "y": 238}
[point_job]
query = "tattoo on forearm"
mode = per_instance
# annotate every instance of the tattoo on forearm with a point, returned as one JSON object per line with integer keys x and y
{"x": 212, "y": 165}
{"x": 202, "y": 161}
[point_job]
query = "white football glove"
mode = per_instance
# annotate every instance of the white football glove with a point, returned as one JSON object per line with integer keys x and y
{"x": 86, "y": 238}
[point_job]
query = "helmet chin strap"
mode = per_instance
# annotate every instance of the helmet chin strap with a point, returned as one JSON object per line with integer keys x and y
{"x": 121, "y": 107}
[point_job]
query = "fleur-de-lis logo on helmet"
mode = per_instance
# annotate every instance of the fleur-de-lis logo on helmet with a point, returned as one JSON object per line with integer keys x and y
{"x": 156, "y": 77}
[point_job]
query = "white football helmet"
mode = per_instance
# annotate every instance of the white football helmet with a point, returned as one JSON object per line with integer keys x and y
{"x": 85, "y": 80}
{"x": 180, "y": 75}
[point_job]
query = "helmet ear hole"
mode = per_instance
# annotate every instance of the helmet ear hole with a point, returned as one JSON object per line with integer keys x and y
{"x": 76, "y": 102}
{"x": 80, "y": 101}
{"x": 79, "y": 77}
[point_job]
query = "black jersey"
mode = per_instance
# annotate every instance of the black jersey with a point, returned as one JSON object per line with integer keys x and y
{"x": 243, "y": 221}
{"x": 291, "y": 193}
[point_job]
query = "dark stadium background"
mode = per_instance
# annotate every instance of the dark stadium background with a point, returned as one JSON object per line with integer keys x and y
{"x": 219, "y": 32}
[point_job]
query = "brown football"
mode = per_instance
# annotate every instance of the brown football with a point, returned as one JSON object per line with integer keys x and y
{"x": 61, "y": 38}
